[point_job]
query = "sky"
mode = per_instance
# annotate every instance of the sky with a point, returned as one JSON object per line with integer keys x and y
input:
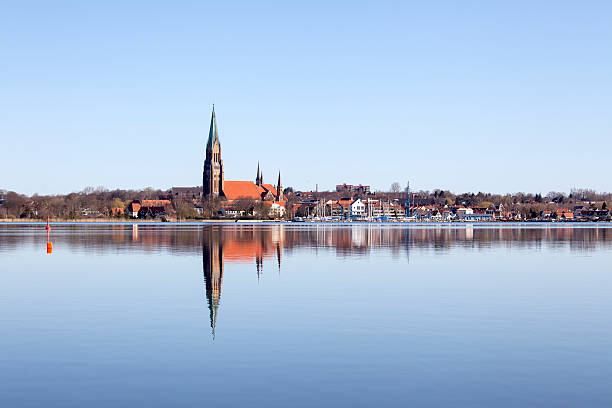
{"x": 466, "y": 96}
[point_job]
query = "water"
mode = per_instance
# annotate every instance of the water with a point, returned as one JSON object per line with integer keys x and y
{"x": 318, "y": 315}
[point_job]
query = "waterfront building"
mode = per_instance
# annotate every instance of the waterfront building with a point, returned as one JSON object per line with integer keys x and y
{"x": 214, "y": 183}
{"x": 357, "y": 209}
{"x": 147, "y": 208}
{"x": 464, "y": 211}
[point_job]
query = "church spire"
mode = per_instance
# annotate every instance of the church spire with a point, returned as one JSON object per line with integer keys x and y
{"x": 258, "y": 178}
{"x": 279, "y": 189}
{"x": 213, "y": 134}
{"x": 212, "y": 177}
{"x": 212, "y": 261}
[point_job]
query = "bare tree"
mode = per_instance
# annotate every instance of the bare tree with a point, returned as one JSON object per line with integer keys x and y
{"x": 261, "y": 210}
{"x": 244, "y": 205}
{"x": 395, "y": 187}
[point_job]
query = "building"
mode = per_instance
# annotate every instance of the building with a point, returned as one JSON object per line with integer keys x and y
{"x": 478, "y": 217}
{"x": 215, "y": 185}
{"x": 349, "y": 188}
{"x": 147, "y": 208}
{"x": 463, "y": 212}
{"x": 212, "y": 183}
{"x": 187, "y": 193}
{"x": 357, "y": 209}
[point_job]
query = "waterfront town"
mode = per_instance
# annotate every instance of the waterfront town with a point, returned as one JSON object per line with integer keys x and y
{"x": 234, "y": 200}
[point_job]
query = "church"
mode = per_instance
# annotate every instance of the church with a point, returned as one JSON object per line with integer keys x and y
{"x": 214, "y": 183}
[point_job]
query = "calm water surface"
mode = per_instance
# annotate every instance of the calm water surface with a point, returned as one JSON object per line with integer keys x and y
{"x": 291, "y": 316}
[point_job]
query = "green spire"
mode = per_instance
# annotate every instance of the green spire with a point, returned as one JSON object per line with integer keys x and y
{"x": 213, "y": 134}
{"x": 213, "y": 307}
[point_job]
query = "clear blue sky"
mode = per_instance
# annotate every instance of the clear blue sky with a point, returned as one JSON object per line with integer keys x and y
{"x": 467, "y": 96}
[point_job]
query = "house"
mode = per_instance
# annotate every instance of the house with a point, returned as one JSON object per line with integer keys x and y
{"x": 349, "y": 188}
{"x": 276, "y": 209}
{"x": 193, "y": 194}
{"x": 357, "y": 209}
{"x": 117, "y": 211}
{"x": 147, "y": 208}
{"x": 478, "y": 217}
{"x": 151, "y": 212}
{"x": 133, "y": 208}
{"x": 592, "y": 214}
{"x": 462, "y": 212}
{"x": 155, "y": 203}
{"x": 377, "y": 208}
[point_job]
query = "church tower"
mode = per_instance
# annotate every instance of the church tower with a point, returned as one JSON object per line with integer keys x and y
{"x": 258, "y": 180}
{"x": 279, "y": 189}
{"x": 212, "y": 182}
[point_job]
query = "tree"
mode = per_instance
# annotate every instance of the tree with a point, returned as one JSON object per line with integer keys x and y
{"x": 261, "y": 210}
{"x": 117, "y": 203}
{"x": 210, "y": 206}
{"x": 185, "y": 210}
{"x": 604, "y": 206}
{"x": 244, "y": 205}
{"x": 395, "y": 187}
{"x": 14, "y": 204}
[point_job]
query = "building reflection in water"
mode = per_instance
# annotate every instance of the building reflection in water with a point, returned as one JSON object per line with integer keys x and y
{"x": 212, "y": 263}
{"x": 240, "y": 246}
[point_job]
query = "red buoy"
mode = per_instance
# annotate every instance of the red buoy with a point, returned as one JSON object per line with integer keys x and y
{"x": 48, "y": 227}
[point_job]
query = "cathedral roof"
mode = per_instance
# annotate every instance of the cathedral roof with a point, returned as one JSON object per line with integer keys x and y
{"x": 213, "y": 134}
{"x": 233, "y": 190}
{"x": 270, "y": 188}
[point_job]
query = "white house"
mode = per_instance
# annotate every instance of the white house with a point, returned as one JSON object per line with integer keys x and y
{"x": 357, "y": 208}
{"x": 277, "y": 209}
{"x": 462, "y": 212}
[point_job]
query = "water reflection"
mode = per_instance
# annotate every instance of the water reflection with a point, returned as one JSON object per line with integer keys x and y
{"x": 256, "y": 242}
{"x": 219, "y": 245}
{"x": 212, "y": 264}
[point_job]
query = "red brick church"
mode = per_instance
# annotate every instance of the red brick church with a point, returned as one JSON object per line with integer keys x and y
{"x": 215, "y": 184}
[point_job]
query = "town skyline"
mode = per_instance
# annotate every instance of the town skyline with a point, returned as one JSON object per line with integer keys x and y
{"x": 466, "y": 97}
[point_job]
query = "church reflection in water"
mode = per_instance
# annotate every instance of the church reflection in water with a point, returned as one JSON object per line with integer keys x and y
{"x": 212, "y": 261}
{"x": 237, "y": 246}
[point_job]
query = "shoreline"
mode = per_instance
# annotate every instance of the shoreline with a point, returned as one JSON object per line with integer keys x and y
{"x": 108, "y": 221}
{"x": 234, "y": 221}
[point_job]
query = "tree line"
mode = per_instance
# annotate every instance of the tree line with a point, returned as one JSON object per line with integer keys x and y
{"x": 87, "y": 202}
